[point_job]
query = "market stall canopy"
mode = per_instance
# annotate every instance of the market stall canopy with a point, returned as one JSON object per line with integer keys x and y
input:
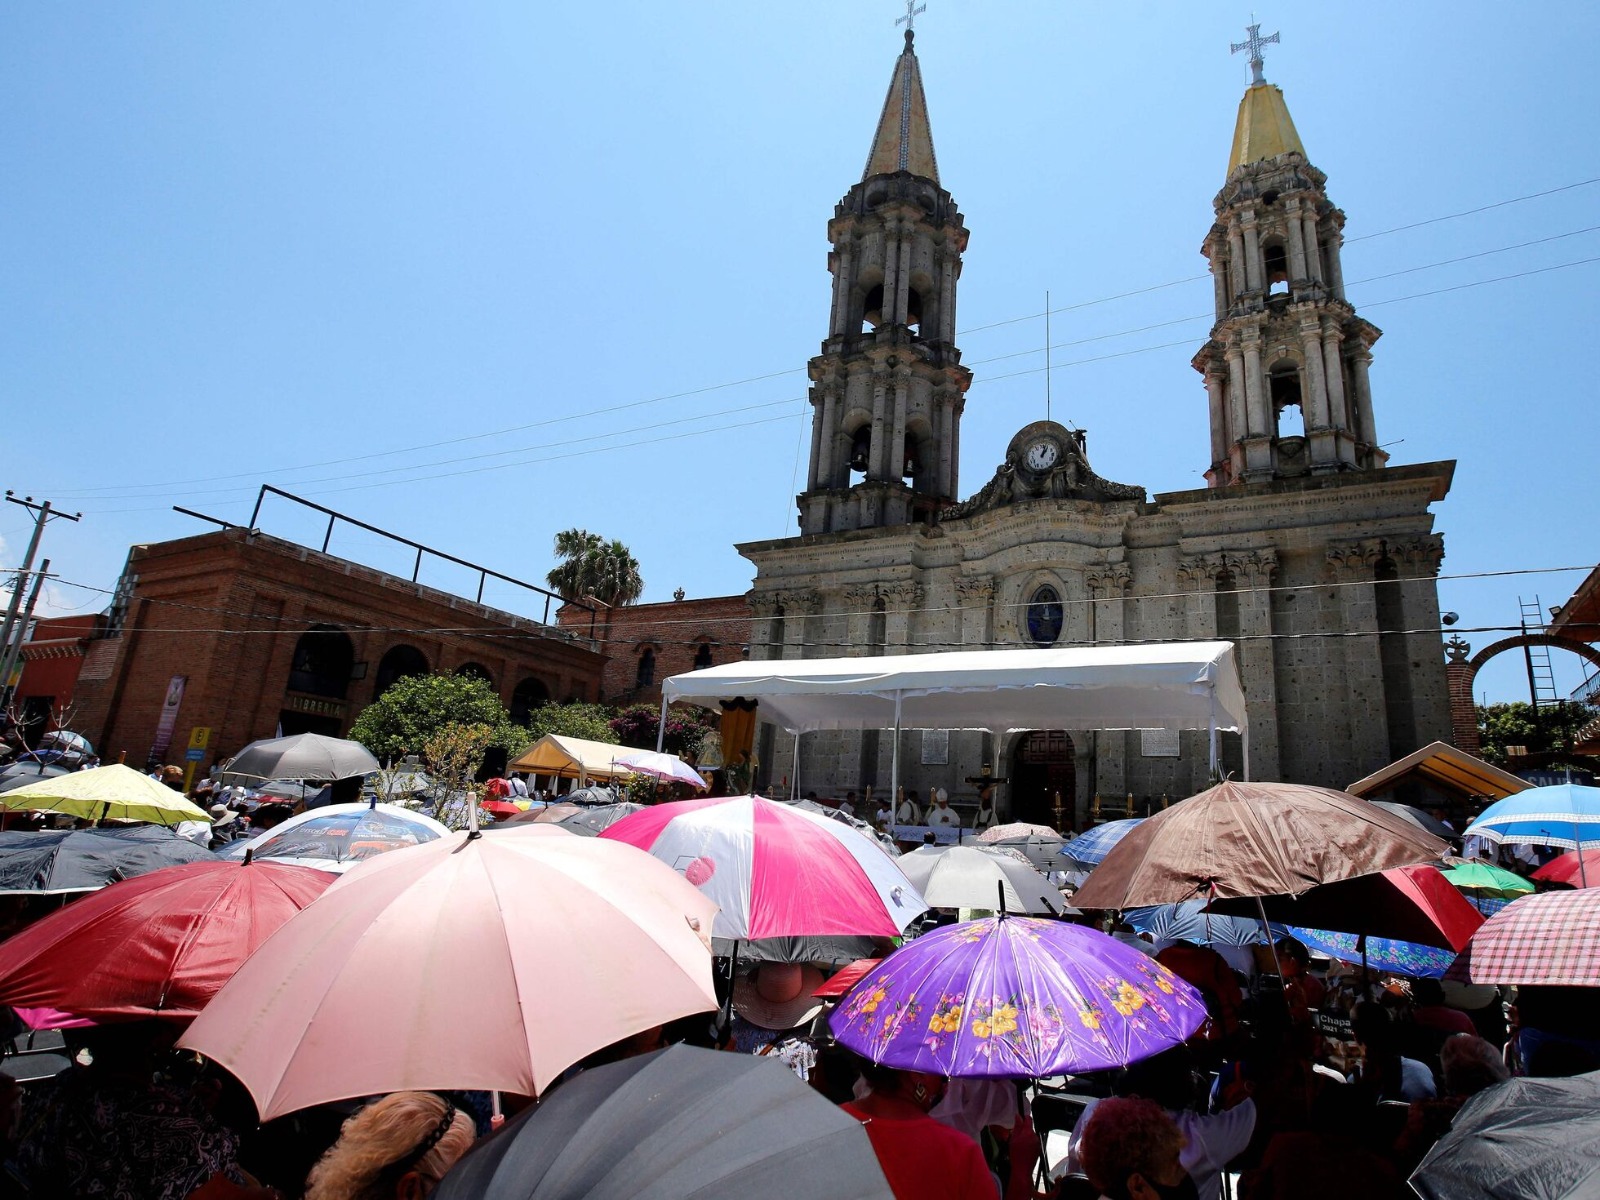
{"x": 1446, "y": 768}
{"x": 1192, "y": 685}
{"x": 572, "y": 758}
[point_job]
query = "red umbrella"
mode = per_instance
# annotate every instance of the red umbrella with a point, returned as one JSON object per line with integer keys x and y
{"x": 500, "y": 808}
{"x": 1407, "y": 904}
{"x": 160, "y": 945}
{"x": 1570, "y": 870}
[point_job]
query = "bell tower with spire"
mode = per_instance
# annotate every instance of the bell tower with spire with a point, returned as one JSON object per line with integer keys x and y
{"x": 1286, "y": 363}
{"x": 888, "y": 388}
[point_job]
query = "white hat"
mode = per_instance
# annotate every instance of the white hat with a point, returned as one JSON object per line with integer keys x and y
{"x": 778, "y": 995}
{"x": 940, "y": 796}
{"x": 221, "y": 815}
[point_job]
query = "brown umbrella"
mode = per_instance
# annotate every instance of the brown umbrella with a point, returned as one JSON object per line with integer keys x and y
{"x": 1253, "y": 839}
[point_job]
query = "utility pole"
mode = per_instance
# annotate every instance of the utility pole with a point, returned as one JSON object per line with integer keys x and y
{"x": 9, "y": 630}
{"x": 12, "y": 652}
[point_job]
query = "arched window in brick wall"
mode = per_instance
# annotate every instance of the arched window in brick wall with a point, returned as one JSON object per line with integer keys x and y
{"x": 645, "y": 675}
{"x": 702, "y": 655}
{"x": 323, "y": 658}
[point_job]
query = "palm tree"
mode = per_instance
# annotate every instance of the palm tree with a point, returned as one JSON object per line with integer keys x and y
{"x": 592, "y": 566}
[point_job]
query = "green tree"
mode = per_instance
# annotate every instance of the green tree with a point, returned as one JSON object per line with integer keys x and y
{"x": 687, "y": 726}
{"x": 589, "y": 721}
{"x": 418, "y": 708}
{"x": 1515, "y": 724}
{"x": 591, "y": 566}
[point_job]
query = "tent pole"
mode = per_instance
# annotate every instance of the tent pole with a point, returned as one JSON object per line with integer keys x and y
{"x": 794, "y": 777}
{"x": 661, "y": 725}
{"x": 1211, "y": 737}
{"x": 1244, "y": 740}
{"x": 894, "y": 758}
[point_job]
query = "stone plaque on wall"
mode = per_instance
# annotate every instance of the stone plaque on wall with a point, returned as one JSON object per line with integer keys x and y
{"x": 1158, "y": 743}
{"x": 935, "y": 747}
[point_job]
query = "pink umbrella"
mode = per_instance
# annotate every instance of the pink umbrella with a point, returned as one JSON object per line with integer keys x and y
{"x": 668, "y": 767}
{"x": 471, "y": 962}
{"x": 775, "y": 870}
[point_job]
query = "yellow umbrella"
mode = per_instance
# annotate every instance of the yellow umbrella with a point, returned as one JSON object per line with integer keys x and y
{"x": 114, "y": 791}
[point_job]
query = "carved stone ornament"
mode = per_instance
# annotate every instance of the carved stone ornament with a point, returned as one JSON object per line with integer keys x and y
{"x": 1457, "y": 648}
{"x": 1414, "y": 556}
{"x": 1045, "y": 461}
{"x": 1110, "y": 579}
{"x": 979, "y": 588}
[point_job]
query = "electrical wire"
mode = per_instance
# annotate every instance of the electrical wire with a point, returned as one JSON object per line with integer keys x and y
{"x": 589, "y": 414}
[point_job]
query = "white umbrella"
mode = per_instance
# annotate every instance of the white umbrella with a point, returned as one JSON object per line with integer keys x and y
{"x": 661, "y": 766}
{"x": 338, "y": 836}
{"x": 967, "y": 877}
{"x": 300, "y": 756}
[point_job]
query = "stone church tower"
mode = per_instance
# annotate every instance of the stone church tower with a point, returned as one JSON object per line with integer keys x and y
{"x": 1308, "y": 549}
{"x": 888, "y": 387}
{"x": 1286, "y": 366}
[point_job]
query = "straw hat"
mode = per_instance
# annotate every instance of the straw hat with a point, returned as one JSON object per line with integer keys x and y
{"x": 221, "y": 815}
{"x": 778, "y": 995}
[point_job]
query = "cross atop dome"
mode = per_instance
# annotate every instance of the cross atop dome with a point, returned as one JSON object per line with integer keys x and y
{"x": 1253, "y": 43}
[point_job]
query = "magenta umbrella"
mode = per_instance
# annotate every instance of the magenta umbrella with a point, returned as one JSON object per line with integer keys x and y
{"x": 1013, "y": 997}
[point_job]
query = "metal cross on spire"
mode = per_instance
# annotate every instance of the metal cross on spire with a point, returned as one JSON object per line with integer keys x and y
{"x": 910, "y": 19}
{"x": 1253, "y": 43}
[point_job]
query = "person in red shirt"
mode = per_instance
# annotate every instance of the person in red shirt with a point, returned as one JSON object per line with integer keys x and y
{"x": 921, "y": 1159}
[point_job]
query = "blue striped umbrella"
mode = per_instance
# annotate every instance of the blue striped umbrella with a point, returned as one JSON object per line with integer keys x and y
{"x": 1189, "y": 922}
{"x": 1091, "y": 847}
{"x": 1563, "y": 814}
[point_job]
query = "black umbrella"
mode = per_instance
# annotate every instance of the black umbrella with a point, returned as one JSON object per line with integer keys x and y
{"x": 678, "y": 1122}
{"x": 23, "y": 773}
{"x": 1525, "y": 1139}
{"x": 832, "y": 951}
{"x": 82, "y": 860}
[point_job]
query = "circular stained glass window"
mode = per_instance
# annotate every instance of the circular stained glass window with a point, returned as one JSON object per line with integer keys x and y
{"x": 1045, "y": 616}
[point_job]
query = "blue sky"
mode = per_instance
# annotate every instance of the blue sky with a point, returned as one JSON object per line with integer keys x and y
{"x": 479, "y": 272}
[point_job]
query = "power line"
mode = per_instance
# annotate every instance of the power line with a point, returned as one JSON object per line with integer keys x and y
{"x": 628, "y": 405}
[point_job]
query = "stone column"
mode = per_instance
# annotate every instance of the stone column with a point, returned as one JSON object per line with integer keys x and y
{"x": 878, "y": 454}
{"x": 891, "y": 268}
{"x": 1238, "y": 420}
{"x": 1219, "y": 290}
{"x": 1252, "y": 252}
{"x": 818, "y": 424}
{"x": 1335, "y": 267}
{"x": 947, "y": 299}
{"x": 977, "y": 612}
{"x": 829, "y": 458}
{"x": 1236, "y": 257}
{"x": 1108, "y": 587}
{"x": 1350, "y": 571}
{"x": 766, "y": 638}
{"x": 902, "y": 276}
{"x": 1216, "y": 383}
{"x": 1360, "y": 360}
{"x": 1313, "y": 252}
{"x": 1253, "y": 574}
{"x": 1419, "y": 559}
{"x": 1315, "y": 398}
{"x": 843, "y": 281}
{"x": 897, "y": 441}
{"x": 1338, "y": 409}
{"x": 1255, "y": 392}
{"x": 1297, "y": 243}
{"x": 946, "y": 432}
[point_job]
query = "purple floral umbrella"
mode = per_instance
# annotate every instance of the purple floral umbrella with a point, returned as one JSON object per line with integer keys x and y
{"x": 1013, "y": 997}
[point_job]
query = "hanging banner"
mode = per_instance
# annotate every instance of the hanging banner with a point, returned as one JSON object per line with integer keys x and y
{"x": 169, "y": 717}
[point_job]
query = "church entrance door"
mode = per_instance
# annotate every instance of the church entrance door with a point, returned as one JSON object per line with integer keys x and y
{"x": 1043, "y": 764}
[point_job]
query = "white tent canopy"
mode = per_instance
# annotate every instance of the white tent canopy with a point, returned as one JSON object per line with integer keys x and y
{"x": 1171, "y": 685}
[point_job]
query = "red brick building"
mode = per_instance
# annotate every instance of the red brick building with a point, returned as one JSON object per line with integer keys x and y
{"x": 48, "y": 682}
{"x": 645, "y": 643}
{"x": 244, "y": 634}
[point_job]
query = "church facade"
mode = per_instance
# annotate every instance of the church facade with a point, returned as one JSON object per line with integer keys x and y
{"x": 1307, "y": 548}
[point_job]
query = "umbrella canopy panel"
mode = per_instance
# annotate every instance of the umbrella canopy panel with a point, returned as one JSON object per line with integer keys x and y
{"x": 1563, "y": 814}
{"x": 1092, "y": 845}
{"x": 300, "y": 756}
{"x": 1535, "y": 1139}
{"x": 966, "y": 877}
{"x": 1190, "y": 685}
{"x": 82, "y": 860}
{"x": 678, "y": 1122}
{"x": 115, "y": 791}
{"x": 1015, "y": 997}
{"x": 338, "y": 836}
{"x": 1551, "y": 939}
{"x": 1253, "y": 839}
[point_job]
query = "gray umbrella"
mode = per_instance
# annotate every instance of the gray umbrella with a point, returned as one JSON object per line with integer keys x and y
{"x": 1525, "y": 1139}
{"x": 300, "y": 756}
{"x": 590, "y": 822}
{"x": 21, "y": 774}
{"x": 1415, "y": 816}
{"x": 82, "y": 860}
{"x": 832, "y": 951}
{"x": 678, "y": 1122}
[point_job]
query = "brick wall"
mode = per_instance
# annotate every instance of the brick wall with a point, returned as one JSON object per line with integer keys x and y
{"x": 674, "y": 633}
{"x": 227, "y": 610}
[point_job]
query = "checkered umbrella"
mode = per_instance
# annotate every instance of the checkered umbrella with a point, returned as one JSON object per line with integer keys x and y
{"x": 1552, "y": 938}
